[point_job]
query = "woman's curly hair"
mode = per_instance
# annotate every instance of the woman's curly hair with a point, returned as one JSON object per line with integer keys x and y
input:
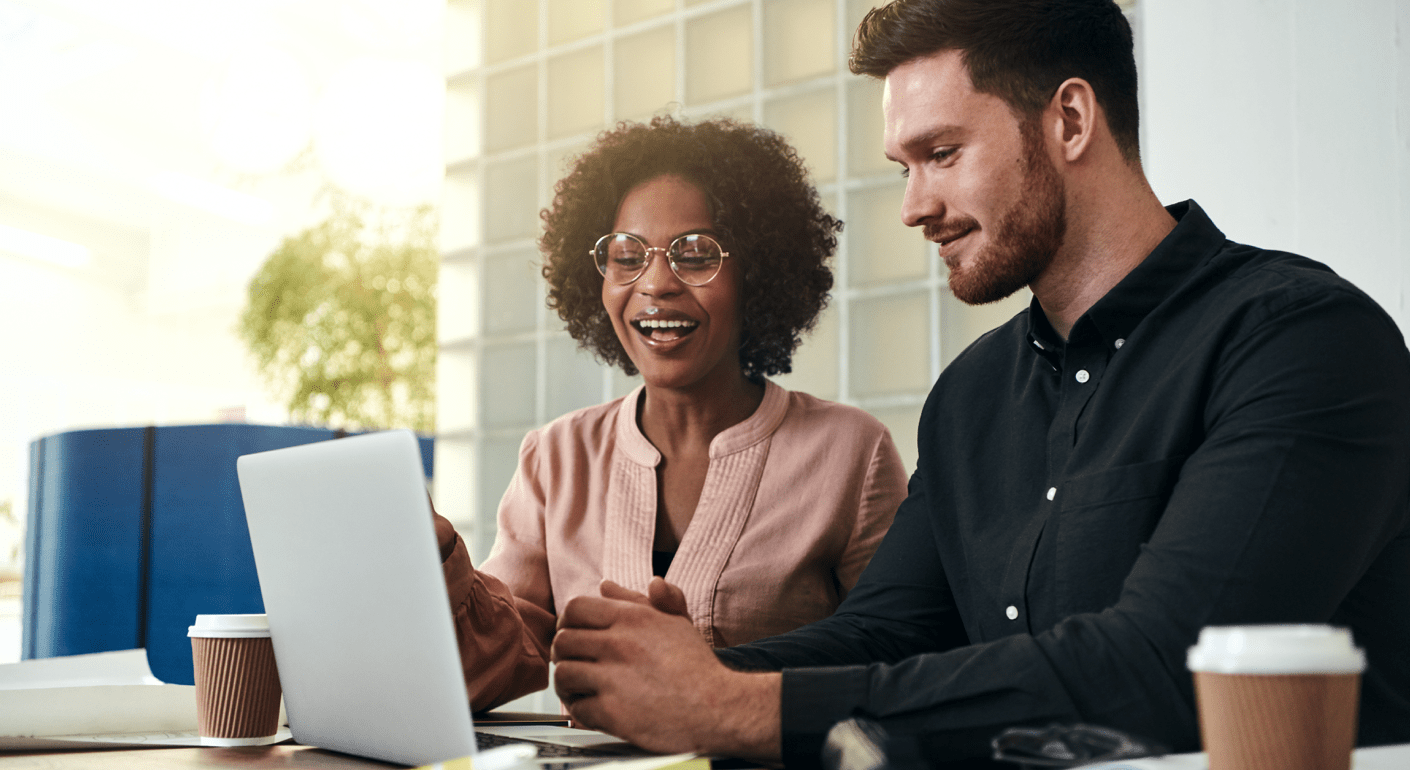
{"x": 763, "y": 207}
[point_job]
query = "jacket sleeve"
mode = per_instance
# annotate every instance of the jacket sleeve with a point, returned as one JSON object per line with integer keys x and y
{"x": 1292, "y": 497}
{"x": 504, "y": 638}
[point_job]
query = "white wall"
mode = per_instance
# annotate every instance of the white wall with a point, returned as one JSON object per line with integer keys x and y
{"x": 1289, "y": 122}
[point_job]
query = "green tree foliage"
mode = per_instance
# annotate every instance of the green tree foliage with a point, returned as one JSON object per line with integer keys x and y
{"x": 341, "y": 319}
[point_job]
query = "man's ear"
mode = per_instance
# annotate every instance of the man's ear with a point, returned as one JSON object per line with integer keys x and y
{"x": 1075, "y": 116}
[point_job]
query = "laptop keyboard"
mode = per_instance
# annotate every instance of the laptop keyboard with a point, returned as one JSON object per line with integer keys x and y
{"x": 574, "y": 756}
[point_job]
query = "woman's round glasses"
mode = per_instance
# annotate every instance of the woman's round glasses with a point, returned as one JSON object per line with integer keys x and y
{"x": 622, "y": 258}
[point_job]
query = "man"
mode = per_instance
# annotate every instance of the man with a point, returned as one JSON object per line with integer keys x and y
{"x": 1180, "y": 432}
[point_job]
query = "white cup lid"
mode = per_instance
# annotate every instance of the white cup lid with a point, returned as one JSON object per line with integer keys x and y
{"x": 1288, "y": 649}
{"x": 230, "y": 626}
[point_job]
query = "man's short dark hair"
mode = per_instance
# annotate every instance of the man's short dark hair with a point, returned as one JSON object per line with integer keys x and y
{"x": 766, "y": 214}
{"x": 1017, "y": 50}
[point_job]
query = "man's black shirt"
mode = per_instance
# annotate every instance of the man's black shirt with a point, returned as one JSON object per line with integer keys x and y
{"x": 1224, "y": 438}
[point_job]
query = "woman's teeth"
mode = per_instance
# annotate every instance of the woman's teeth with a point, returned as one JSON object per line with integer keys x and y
{"x": 664, "y": 331}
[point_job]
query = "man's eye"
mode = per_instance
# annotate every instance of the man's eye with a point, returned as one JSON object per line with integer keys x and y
{"x": 942, "y": 154}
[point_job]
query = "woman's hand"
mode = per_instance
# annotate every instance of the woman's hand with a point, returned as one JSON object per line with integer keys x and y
{"x": 445, "y": 533}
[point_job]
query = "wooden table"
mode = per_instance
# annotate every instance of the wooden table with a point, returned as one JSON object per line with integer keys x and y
{"x": 285, "y": 754}
{"x": 278, "y": 756}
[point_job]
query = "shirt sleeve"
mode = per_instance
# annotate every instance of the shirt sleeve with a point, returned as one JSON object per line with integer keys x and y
{"x": 504, "y": 635}
{"x": 1300, "y": 483}
{"x": 882, "y": 492}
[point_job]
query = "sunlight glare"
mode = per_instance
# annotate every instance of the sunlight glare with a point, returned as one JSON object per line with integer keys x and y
{"x": 378, "y": 130}
{"x": 257, "y": 110}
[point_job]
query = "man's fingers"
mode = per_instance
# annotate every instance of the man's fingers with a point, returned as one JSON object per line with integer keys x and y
{"x": 576, "y": 684}
{"x": 574, "y": 679}
{"x": 667, "y": 598}
{"x": 574, "y": 644}
{"x": 586, "y": 713}
{"x": 611, "y": 590}
{"x": 589, "y": 612}
{"x": 659, "y": 594}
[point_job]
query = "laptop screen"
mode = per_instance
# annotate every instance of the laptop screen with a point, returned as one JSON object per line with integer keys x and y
{"x": 358, "y": 611}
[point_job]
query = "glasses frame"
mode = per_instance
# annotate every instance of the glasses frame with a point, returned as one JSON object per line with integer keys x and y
{"x": 670, "y": 260}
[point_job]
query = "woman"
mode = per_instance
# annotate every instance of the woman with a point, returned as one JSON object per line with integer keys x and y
{"x": 695, "y": 255}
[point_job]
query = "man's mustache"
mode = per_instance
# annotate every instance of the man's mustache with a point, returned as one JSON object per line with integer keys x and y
{"x": 944, "y": 232}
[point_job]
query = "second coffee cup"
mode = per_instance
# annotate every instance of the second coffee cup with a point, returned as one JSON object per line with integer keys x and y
{"x": 1277, "y": 697}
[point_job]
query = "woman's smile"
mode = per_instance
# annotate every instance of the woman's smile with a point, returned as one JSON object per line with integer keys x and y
{"x": 661, "y": 325}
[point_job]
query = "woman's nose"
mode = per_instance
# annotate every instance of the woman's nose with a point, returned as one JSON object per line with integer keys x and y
{"x": 657, "y": 277}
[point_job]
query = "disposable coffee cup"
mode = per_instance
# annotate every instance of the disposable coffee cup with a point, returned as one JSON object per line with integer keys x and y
{"x": 237, "y": 683}
{"x": 1277, "y": 697}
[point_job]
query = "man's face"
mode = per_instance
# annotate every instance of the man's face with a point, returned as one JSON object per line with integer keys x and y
{"x": 978, "y": 181}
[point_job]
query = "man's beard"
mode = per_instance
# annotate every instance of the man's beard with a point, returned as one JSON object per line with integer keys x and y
{"x": 1024, "y": 240}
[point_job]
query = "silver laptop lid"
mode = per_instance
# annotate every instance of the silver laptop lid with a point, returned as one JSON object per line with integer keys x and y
{"x": 347, "y": 561}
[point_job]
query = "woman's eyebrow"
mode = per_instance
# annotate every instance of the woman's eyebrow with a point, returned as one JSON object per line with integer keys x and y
{"x": 710, "y": 231}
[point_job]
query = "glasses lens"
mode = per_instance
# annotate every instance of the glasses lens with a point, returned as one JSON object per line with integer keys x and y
{"x": 620, "y": 257}
{"x": 696, "y": 259}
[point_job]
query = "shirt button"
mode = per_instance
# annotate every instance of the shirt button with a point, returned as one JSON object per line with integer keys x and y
{"x": 1011, "y": 613}
{"x": 1083, "y": 376}
{"x": 1119, "y": 343}
{"x": 1052, "y": 492}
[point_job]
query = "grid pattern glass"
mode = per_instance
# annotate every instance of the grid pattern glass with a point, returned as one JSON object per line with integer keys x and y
{"x": 575, "y": 92}
{"x": 513, "y": 123}
{"x": 511, "y": 304}
{"x": 807, "y": 120}
{"x": 510, "y": 208}
{"x": 631, "y": 11}
{"x": 719, "y": 53}
{"x": 569, "y": 20}
{"x": 512, "y": 28}
{"x": 644, "y": 79}
{"x": 555, "y": 72}
{"x": 791, "y": 28}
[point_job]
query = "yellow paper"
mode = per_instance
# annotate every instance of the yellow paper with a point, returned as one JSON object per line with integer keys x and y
{"x": 664, "y": 762}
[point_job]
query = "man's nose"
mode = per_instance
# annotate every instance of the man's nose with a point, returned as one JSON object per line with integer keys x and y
{"x": 921, "y": 202}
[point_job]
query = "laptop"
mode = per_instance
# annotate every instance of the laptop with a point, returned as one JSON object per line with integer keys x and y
{"x": 358, "y": 612}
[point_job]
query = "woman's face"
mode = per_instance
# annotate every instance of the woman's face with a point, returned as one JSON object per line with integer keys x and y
{"x": 698, "y": 345}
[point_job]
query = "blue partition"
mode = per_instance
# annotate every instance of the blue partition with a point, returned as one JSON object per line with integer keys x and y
{"x": 133, "y": 532}
{"x": 82, "y": 541}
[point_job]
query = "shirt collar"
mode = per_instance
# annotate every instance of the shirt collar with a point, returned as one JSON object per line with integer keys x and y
{"x": 1043, "y": 339}
{"x": 755, "y": 428}
{"x": 1113, "y": 318}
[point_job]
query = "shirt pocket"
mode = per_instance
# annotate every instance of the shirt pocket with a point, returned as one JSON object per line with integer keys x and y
{"x": 1104, "y": 519}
